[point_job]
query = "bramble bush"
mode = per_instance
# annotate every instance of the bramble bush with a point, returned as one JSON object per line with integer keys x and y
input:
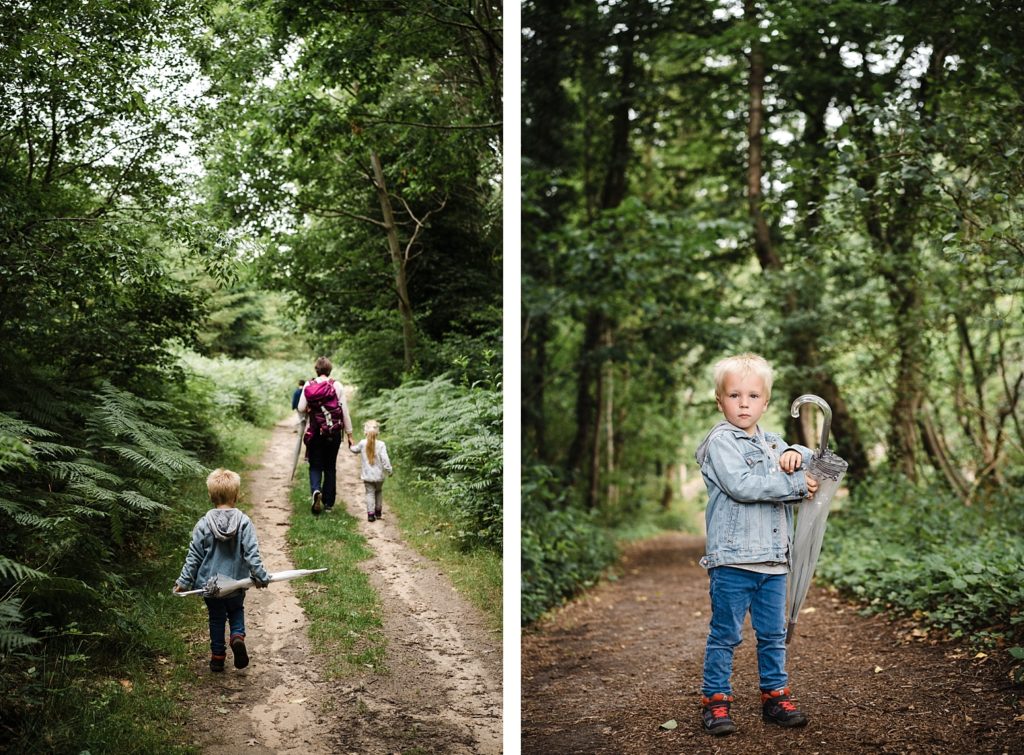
{"x": 917, "y": 551}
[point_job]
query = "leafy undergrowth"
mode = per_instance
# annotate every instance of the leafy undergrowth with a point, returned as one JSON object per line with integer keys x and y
{"x": 344, "y": 614}
{"x": 916, "y": 552}
{"x": 566, "y": 550}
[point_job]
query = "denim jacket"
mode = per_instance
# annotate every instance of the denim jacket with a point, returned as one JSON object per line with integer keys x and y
{"x": 223, "y": 542}
{"x": 747, "y": 521}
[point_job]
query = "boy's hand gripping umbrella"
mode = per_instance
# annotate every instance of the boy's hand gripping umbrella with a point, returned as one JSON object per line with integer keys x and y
{"x": 828, "y": 469}
{"x": 219, "y": 586}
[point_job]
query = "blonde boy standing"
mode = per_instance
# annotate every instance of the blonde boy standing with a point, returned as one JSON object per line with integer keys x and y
{"x": 750, "y": 475}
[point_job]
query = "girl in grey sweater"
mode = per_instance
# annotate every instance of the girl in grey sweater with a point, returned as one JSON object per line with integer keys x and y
{"x": 375, "y": 465}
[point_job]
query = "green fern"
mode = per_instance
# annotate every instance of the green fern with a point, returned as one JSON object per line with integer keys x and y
{"x": 451, "y": 435}
{"x": 12, "y": 636}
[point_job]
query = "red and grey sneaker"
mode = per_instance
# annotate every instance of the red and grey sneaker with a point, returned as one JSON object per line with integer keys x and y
{"x": 217, "y": 663}
{"x": 715, "y": 714}
{"x": 778, "y": 708}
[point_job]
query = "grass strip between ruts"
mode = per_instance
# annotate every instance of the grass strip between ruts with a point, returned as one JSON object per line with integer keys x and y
{"x": 342, "y": 607}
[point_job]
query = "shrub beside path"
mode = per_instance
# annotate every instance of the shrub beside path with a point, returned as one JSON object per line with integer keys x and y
{"x": 603, "y": 673}
{"x": 442, "y": 691}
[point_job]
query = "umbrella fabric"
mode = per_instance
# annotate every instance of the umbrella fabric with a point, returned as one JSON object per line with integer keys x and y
{"x": 219, "y": 586}
{"x": 811, "y": 518}
{"x": 812, "y": 514}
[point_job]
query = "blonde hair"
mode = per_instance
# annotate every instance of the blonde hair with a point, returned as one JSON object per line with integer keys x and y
{"x": 743, "y": 365}
{"x": 371, "y": 429}
{"x": 223, "y": 485}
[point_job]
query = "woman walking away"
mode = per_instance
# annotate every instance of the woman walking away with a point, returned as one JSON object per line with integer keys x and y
{"x": 375, "y": 465}
{"x": 324, "y": 400}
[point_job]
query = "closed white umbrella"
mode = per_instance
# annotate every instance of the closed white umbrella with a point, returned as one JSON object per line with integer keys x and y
{"x": 298, "y": 445}
{"x": 219, "y": 586}
{"x": 811, "y": 515}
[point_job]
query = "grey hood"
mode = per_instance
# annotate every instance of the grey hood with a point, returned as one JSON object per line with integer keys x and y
{"x": 224, "y": 523}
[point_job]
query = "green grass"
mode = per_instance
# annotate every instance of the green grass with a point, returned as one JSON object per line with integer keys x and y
{"x": 342, "y": 607}
{"x": 476, "y": 574}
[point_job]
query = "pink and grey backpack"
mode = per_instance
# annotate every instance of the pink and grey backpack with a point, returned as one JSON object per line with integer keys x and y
{"x": 326, "y": 416}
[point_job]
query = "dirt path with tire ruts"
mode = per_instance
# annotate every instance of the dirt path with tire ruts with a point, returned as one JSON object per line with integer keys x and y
{"x": 442, "y": 689}
{"x": 603, "y": 673}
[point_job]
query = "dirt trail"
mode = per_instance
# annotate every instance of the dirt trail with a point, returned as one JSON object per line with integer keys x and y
{"x": 443, "y": 689}
{"x": 604, "y": 672}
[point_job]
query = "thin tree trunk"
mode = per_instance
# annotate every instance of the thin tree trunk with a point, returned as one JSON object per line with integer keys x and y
{"x": 534, "y": 375}
{"x": 594, "y": 490}
{"x": 763, "y": 246}
{"x": 940, "y": 457}
{"x": 398, "y": 261}
{"x": 609, "y": 411}
{"x": 586, "y": 405}
{"x": 802, "y": 346}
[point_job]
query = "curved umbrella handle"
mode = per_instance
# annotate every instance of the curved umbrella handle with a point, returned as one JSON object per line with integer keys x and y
{"x": 818, "y": 401}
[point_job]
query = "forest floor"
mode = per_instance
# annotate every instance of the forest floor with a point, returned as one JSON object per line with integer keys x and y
{"x": 603, "y": 673}
{"x": 442, "y": 689}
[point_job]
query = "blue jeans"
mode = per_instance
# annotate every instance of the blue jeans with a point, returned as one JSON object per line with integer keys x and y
{"x": 323, "y": 463}
{"x": 733, "y": 593}
{"x": 228, "y": 610}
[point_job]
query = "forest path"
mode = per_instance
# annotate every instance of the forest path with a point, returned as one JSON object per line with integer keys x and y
{"x": 442, "y": 692}
{"x": 604, "y": 672}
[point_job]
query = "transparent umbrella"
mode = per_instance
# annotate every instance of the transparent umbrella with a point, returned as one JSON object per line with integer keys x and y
{"x": 811, "y": 515}
{"x": 219, "y": 586}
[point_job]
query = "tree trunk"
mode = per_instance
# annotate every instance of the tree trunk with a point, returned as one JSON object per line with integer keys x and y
{"x": 612, "y": 492}
{"x": 763, "y": 246}
{"x": 613, "y": 191}
{"x": 398, "y": 261}
{"x": 802, "y": 346}
{"x": 534, "y": 374}
{"x": 586, "y": 407}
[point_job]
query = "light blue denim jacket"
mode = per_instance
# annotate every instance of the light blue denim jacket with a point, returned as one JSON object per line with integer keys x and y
{"x": 223, "y": 542}
{"x": 747, "y": 521}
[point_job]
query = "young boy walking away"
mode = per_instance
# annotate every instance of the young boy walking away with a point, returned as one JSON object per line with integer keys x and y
{"x": 375, "y": 465}
{"x": 750, "y": 474}
{"x": 224, "y": 542}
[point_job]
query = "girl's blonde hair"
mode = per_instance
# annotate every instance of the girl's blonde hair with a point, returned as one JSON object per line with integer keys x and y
{"x": 223, "y": 485}
{"x": 742, "y": 365}
{"x": 371, "y": 429}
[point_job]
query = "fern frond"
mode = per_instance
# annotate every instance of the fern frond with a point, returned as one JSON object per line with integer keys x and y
{"x": 140, "y": 502}
{"x": 15, "y": 571}
{"x": 11, "y": 636}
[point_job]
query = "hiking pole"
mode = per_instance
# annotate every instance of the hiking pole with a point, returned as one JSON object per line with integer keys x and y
{"x": 298, "y": 447}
